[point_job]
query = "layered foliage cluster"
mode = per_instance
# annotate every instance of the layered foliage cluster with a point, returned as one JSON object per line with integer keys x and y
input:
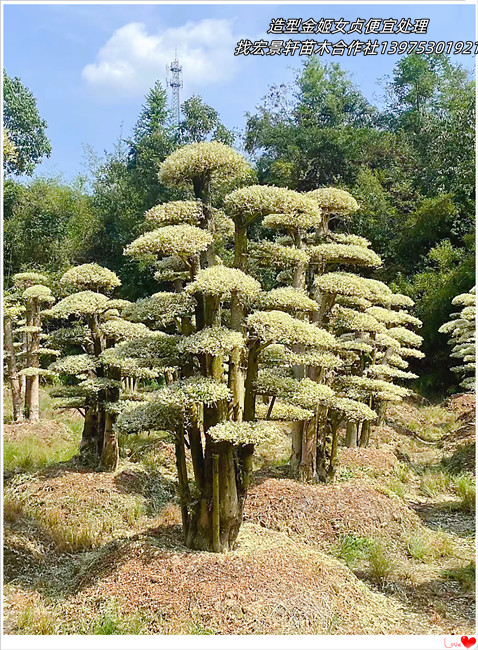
{"x": 461, "y": 330}
{"x": 323, "y": 347}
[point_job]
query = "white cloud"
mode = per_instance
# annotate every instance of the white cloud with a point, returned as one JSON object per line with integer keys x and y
{"x": 131, "y": 60}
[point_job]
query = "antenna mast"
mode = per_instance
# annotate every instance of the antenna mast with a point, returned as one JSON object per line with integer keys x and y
{"x": 175, "y": 82}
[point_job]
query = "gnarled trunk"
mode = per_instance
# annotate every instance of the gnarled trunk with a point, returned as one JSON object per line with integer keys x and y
{"x": 214, "y": 519}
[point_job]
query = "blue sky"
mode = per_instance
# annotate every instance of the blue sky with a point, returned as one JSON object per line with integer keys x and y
{"x": 89, "y": 66}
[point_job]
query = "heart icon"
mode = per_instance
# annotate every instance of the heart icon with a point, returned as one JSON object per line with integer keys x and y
{"x": 468, "y": 641}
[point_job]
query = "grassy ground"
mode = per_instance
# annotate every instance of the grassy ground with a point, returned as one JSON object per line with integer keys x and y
{"x": 388, "y": 548}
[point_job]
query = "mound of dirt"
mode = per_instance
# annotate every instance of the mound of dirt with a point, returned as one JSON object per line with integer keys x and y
{"x": 79, "y": 508}
{"x": 463, "y": 403}
{"x": 47, "y": 430}
{"x": 269, "y": 585}
{"x": 320, "y": 513}
{"x": 460, "y": 445}
{"x": 381, "y": 461}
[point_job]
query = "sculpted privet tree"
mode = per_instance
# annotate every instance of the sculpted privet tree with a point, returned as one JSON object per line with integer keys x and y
{"x": 22, "y": 342}
{"x": 224, "y": 342}
{"x": 93, "y": 325}
{"x": 462, "y": 337}
{"x": 311, "y": 257}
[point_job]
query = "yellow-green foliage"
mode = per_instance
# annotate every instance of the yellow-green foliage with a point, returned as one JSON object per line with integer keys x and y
{"x": 334, "y": 200}
{"x": 183, "y": 240}
{"x": 293, "y": 221}
{"x": 222, "y": 281}
{"x": 279, "y": 327}
{"x": 174, "y": 213}
{"x": 287, "y": 299}
{"x": 344, "y": 254}
{"x": 39, "y": 293}
{"x": 269, "y": 253}
{"x": 256, "y": 201}
{"x": 79, "y": 304}
{"x": 243, "y": 432}
{"x": 212, "y": 340}
{"x": 203, "y": 161}
{"x": 91, "y": 276}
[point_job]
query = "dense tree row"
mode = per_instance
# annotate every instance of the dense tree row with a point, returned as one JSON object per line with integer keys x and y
{"x": 324, "y": 348}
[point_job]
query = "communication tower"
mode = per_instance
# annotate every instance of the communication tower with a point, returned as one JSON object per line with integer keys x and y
{"x": 174, "y": 80}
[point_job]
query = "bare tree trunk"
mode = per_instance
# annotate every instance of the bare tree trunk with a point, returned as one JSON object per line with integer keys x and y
{"x": 321, "y": 457}
{"x": 365, "y": 435}
{"x": 334, "y": 451}
{"x": 351, "y": 434}
{"x": 28, "y": 360}
{"x": 110, "y": 451}
{"x": 15, "y": 385}
{"x": 307, "y": 465}
{"x": 34, "y": 393}
{"x": 296, "y": 448}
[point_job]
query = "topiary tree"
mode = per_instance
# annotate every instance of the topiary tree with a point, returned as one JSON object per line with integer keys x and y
{"x": 93, "y": 326}
{"x": 238, "y": 357}
{"x": 12, "y": 312}
{"x": 226, "y": 346}
{"x": 23, "y": 341}
{"x": 462, "y": 337}
{"x": 311, "y": 257}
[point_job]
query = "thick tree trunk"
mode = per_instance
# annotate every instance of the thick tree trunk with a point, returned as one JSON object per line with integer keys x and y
{"x": 110, "y": 450}
{"x": 296, "y": 448}
{"x": 13, "y": 377}
{"x": 321, "y": 457}
{"x": 215, "y": 518}
{"x": 307, "y": 466}
{"x": 89, "y": 437}
{"x": 365, "y": 434}
{"x": 351, "y": 434}
{"x": 334, "y": 452}
{"x": 381, "y": 410}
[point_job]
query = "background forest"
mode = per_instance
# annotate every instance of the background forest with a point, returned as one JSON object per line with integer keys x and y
{"x": 410, "y": 165}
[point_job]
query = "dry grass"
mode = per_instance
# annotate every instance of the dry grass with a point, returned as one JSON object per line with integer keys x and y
{"x": 97, "y": 553}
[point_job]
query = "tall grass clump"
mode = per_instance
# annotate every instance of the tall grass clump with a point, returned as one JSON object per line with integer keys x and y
{"x": 465, "y": 488}
{"x": 33, "y": 453}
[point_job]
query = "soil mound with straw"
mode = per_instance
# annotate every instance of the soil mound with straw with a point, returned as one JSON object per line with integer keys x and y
{"x": 379, "y": 460}
{"x": 46, "y": 430}
{"x": 269, "y": 585}
{"x": 319, "y": 514}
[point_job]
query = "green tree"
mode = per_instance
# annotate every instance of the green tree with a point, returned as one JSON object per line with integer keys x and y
{"x": 24, "y": 126}
{"x": 154, "y": 113}
{"x": 48, "y": 225}
{"x": 200, "y": 122}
